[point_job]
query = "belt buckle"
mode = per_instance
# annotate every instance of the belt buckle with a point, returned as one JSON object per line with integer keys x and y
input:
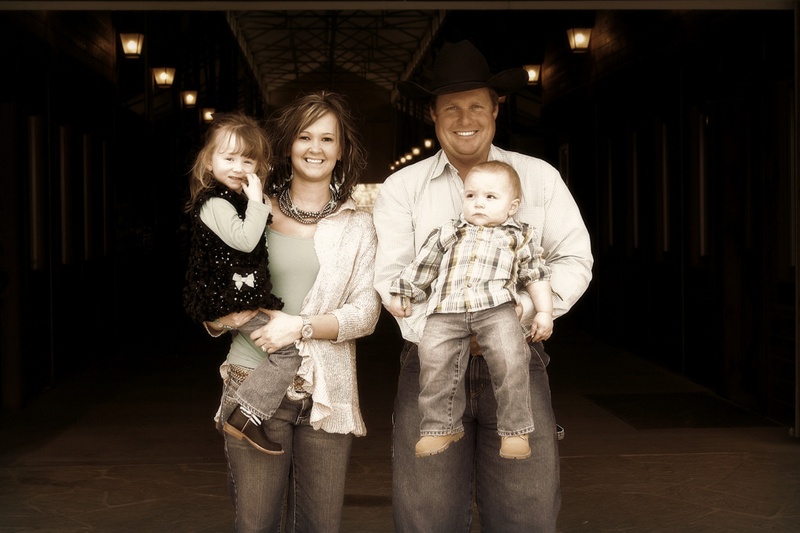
{"x": 296, "y": 391}
{"x": 237, "y": 374}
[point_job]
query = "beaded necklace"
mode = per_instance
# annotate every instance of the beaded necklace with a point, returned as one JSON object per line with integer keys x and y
{"x": 288, "y": 208}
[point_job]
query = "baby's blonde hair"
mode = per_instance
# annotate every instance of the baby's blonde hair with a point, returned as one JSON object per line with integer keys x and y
{"x": 499, "y": 167}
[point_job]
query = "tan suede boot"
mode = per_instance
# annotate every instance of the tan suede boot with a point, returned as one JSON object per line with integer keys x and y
{"x": 432, "y": 445}
{"x": 515, "y": 447}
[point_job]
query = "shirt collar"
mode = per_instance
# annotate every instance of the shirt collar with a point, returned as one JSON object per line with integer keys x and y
{"x": 510, "y": 221}
{"x": 442, "y": 162}
{"x": 439, "y": 165}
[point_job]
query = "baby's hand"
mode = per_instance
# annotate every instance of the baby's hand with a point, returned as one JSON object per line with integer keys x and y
{"x": 252, "y": 189}
{"x": 400, "y": 306}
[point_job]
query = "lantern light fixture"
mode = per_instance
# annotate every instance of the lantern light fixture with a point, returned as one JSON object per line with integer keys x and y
{"x": 131, "y": 44}
{"x": 189, "y": 99}
{"x": 208, "y": 114}
{"x": 534, "y": 71}
{"x": 164, "y": 76}
{"x": 579, "y": 39}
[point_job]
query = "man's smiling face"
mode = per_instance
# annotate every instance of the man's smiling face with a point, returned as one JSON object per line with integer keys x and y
{"x": 465, "y": 125}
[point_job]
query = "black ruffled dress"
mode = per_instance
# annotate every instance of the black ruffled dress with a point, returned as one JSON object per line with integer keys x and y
{"x": 221, "y": 280}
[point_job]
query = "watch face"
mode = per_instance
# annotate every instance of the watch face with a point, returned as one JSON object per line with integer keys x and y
{"x": 307, "y": 331}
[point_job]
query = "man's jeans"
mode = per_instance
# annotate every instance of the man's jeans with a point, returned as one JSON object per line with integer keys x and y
{"x": 313, "y": 468}
{"x": 435, "y": 494}
{"x": 263, "y": 390}
{"x": 444, "y": 357}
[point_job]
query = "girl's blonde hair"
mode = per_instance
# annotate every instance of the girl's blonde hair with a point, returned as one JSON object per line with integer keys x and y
{"x": 249, "y": 139}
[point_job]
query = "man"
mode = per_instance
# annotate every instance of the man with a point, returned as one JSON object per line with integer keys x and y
{"x": 435, "y": 494}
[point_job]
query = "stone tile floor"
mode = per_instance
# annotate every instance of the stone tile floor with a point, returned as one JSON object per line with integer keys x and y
{"x": 131, "y": 448}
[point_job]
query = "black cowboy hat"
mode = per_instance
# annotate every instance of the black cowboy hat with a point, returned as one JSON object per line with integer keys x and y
{"x": 461, "y": 67}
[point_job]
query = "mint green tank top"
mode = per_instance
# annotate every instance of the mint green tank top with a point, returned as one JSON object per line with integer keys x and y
{"x": 293, "y": 269}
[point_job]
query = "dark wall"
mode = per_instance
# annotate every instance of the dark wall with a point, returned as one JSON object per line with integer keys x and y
{"x": 680, "y": 151}
{"x": 57, "y": 117}
{"x": 94, "y": 180}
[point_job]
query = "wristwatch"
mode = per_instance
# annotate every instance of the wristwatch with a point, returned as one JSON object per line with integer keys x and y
{"x": 307, "y": 331}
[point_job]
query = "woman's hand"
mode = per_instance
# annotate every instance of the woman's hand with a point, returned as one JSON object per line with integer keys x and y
{"x": 281, "y": 331}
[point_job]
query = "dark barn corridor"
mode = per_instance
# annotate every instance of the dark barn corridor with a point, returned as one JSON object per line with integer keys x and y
{"x": 675, "y": 375}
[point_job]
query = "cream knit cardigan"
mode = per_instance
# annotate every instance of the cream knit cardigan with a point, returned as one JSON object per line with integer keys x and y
{"x": 345, "y": 244}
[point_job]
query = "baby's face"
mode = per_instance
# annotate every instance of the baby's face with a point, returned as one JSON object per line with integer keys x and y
{"x": 488, "y": 198}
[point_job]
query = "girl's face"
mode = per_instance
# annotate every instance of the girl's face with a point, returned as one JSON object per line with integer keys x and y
{"x": 316, "y": 150}
{"x": 228, "y": 165}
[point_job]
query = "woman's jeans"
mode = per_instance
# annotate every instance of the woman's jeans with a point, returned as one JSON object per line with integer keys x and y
{"x": 435, "y": 494}
{"x": 263, "y": 390}
{"x": 312, "y": 468}
{"x": 444, "y": 358}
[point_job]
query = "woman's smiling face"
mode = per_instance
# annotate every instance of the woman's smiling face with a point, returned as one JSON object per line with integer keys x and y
{"x": 316, "y": 149}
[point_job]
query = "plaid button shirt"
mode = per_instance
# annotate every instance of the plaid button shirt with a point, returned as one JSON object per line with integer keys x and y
{"x": 419, "y": 198}
{"x": 464, "y": 267}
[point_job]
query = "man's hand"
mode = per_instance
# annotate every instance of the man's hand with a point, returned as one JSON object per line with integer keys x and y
{"x": 542, "y": 327}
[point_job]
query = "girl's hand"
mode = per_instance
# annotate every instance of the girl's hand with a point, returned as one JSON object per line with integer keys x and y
{"x": 281, "y": 331}
{"x": 253, "y": 189}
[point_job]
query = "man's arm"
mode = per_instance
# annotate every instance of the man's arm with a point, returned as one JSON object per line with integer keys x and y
{"x": 392, "y": 216}
{"x": 393, "y": 224}
{"x": 567, "y": 249}
{"x": 550, "y": 208}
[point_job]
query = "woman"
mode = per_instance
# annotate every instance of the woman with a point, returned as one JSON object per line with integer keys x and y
{"x": 322, "y": 252}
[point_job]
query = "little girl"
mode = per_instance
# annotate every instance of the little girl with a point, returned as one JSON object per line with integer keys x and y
{"x": 227, "y": 270}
